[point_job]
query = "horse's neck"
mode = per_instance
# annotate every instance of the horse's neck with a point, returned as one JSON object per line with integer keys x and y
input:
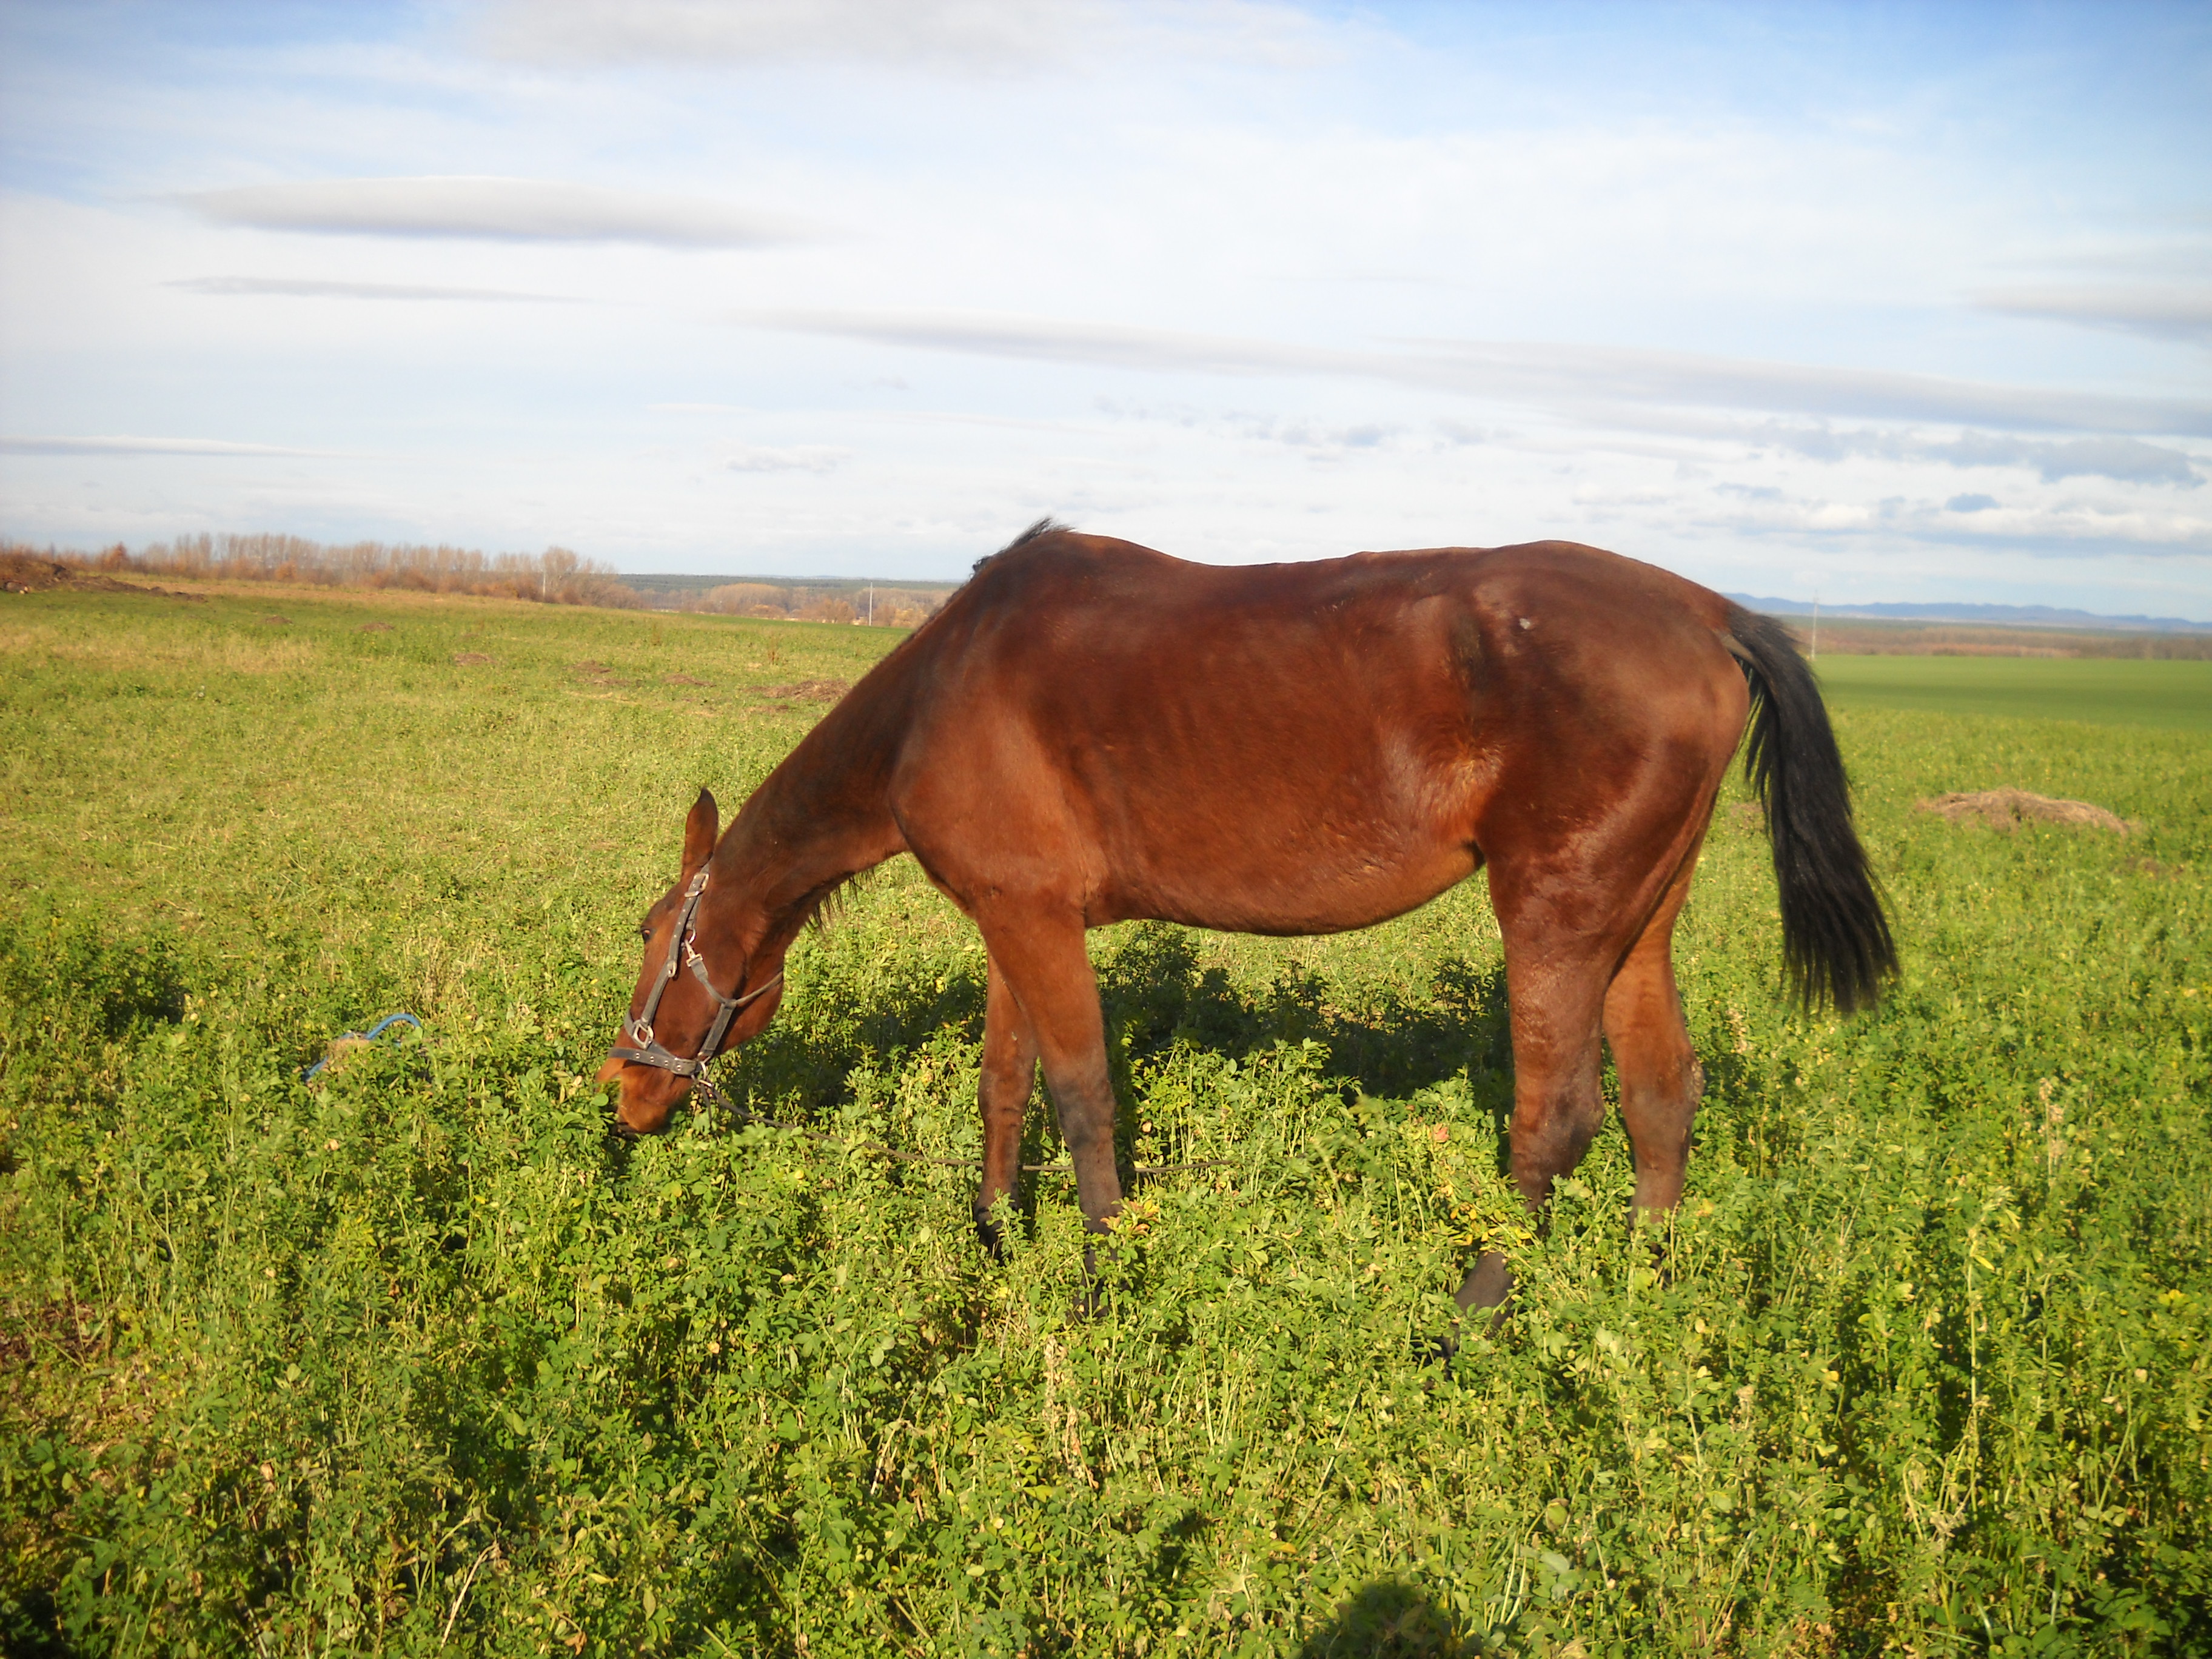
{"x": 823, "y": 815}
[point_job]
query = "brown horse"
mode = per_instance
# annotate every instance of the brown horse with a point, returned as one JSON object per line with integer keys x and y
{"x": 1090, "y": 731}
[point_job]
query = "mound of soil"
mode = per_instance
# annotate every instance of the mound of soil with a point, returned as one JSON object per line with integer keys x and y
{"x": 376, "y": 627}
{"x": 2008, "y": 809}
{"x": 26, "y": 573}
{"x": 680, "y": 679}
{"x": 276, "y": 622}
{"x": 470, "y": 660}
{"x": 804, "y": 691}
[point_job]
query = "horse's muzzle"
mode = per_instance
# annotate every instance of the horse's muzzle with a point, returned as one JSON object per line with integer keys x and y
{"x": 637, "y": 1111}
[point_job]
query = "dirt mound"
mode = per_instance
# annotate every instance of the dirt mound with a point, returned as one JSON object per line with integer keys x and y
{"x": 2008, "y": 809}
{"x": 376, "y": 627}
{"x": 21, "y": 574}
{"x": 26, "y": 573}
{"x": 680, "y": 679}
{"x": 276, "y": 622}
{"x": 470, "y": 660}
{"x": 804, "y": 691}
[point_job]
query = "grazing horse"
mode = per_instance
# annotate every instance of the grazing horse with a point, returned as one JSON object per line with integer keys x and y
{"x": 1090, "y": 731}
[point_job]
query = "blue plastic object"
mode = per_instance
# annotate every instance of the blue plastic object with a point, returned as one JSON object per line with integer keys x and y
{"x": 369, "y": 1036}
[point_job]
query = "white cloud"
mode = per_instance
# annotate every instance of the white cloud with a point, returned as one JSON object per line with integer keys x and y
{"x": 1557, "y": 376}
{"x": 1668, "y": 377}
{"x": 2067, "y": 529}
{"x": 497, "y": 209}
{"x": 965, "y": 35}
{"x": 795, "y": 458}
{"x": 974, "y": 32}
{"x": 2166, "y": 313}
{"x": 128, "y": 446}
{"x": 311, "y": 289}
{"x": 2129, "y": 460}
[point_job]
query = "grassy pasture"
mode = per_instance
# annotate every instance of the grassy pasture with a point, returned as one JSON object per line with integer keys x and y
{"x": 2100, "y": 690}
{"x": 417, "y": 1359}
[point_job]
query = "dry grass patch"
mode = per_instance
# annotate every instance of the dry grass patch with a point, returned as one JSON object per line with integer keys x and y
{"x": 130, "y": 653}
{"x": 2008, "y": 809}
{"x": 805, "y": 691}
{"x": 27, "y": 572}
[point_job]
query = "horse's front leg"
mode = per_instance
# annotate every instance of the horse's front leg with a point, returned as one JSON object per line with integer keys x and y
{"x": 1002, "y": 1097}
{"x": 1039, "y": 950}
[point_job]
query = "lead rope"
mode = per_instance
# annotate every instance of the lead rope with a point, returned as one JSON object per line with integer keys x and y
{"x": 368, "y": 1037}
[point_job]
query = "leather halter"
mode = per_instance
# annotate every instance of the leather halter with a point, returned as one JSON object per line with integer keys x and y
{"x": 648, "y": 1049}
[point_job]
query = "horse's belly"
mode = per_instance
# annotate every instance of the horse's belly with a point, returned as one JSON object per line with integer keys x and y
{"x": 1285, "y": 888}
{"x": 1330, "y": 825}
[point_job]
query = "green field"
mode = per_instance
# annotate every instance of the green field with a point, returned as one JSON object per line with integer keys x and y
{"x": 2102, "y": 691}
{"x": 419, "y": 1359}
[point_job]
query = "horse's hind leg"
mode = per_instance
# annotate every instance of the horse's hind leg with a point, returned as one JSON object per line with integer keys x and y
{"x": 1002, "y": 1097}
{"x": 1587, "y": 943}
{"x": 1555, "y": 995}
{"x": 1660, "y": 1077}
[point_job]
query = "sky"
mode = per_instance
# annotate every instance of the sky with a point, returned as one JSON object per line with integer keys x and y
{"x": 1863, "y": 302}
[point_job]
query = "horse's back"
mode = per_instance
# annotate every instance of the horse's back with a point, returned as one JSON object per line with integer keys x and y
{"x": 1116, "y": 584}
{"x": 1072, "y": 620}
{"x": 1297, "y": 747}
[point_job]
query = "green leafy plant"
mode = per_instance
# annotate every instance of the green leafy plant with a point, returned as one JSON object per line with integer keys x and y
{"x": 419, "y": 1359}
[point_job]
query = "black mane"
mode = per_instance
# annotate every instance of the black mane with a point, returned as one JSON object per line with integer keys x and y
{"x": 1043, "y": 526}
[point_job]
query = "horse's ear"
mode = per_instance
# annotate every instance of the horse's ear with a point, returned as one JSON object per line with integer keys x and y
{"x": 699, "y": 831}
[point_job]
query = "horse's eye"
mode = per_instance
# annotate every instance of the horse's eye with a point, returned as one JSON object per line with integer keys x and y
{"x": 645, "y": 932}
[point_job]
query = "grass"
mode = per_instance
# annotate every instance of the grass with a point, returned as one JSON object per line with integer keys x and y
{"x": 2176, "y": 695}
{"x": 419, "y": 1359}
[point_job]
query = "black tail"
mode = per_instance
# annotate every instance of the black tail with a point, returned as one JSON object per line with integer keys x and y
{"x": 1836, "y": 946}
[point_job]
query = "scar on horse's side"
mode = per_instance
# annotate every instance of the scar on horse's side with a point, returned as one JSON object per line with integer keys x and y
{"x": 1090, "y": 731}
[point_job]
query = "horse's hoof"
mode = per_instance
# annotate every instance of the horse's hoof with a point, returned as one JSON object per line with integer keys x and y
{"x": 1487, "y": 1285}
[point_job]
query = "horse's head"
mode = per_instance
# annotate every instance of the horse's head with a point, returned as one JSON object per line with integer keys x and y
{"x": 693, "y": 999}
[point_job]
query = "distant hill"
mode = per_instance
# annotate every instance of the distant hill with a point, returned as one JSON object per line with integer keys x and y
{"x": 2017, "y": 616}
